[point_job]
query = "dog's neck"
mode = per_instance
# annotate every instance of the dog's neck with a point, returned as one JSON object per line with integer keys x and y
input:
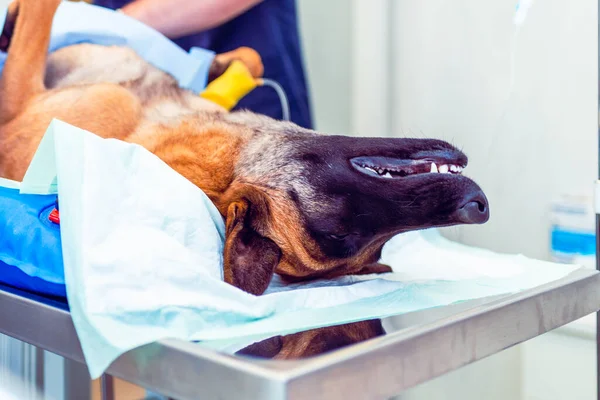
{"x": 204, "y": 151}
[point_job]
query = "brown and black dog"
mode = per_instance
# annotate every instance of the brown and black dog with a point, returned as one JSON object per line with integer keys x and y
{"x": 297, "y": 203}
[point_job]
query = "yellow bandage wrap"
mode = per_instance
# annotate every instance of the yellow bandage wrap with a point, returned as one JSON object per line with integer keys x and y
{"x": 228, "y": 89}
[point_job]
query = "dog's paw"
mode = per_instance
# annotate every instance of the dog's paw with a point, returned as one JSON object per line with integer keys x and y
{"x": 251, "y": 59}
{"x": 246, "y": 55}
{"x": 9, "y": 25}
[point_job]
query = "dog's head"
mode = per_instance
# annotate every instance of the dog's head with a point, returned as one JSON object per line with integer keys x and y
{"x": 307, "y": 205}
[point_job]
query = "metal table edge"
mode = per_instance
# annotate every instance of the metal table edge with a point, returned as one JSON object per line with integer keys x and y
{"x": 310, "y": 374}
{"x": 326, "y": 360}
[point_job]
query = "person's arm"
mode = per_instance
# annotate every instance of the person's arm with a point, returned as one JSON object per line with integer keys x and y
{"x": 176, "y": 18}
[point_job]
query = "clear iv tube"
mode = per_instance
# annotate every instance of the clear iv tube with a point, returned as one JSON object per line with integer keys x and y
{"x": 285, "y": 107}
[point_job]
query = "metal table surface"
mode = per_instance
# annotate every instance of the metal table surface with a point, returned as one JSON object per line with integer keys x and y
{"x": 418, "y": 347}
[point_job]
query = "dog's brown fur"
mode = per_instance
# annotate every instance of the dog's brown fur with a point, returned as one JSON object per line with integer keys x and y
{"x": 248, "y": 165}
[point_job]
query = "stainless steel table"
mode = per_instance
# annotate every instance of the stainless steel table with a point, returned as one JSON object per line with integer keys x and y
{"x": 418, "y": 347}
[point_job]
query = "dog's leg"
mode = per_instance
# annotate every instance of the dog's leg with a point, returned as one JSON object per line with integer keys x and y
{"x": 23, "y": 75}
{"x": 249, "y": 259}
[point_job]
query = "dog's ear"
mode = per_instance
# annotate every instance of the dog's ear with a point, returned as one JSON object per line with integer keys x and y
{"x": 249, "y": 258}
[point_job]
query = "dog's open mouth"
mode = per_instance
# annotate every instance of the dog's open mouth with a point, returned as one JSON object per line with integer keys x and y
{"x": 394, "y": 168}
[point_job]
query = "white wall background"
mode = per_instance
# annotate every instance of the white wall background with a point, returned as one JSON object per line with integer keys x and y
{"x": 347, "y": 55}
{"x": 326, "y": 32}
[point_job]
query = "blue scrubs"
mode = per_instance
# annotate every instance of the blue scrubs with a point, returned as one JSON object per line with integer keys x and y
{"x": 271, "y": 28}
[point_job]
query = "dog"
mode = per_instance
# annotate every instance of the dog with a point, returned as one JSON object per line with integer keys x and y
{"x": 295, "y": 202}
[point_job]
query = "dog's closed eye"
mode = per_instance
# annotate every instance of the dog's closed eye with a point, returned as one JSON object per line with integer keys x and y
{"x": 338, "y": 236}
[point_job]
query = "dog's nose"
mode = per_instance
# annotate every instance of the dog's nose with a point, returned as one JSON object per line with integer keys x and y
{"x": 475, "y": 209}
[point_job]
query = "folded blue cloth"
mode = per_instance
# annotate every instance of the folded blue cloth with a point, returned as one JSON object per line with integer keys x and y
{"x": 30, "y": 249}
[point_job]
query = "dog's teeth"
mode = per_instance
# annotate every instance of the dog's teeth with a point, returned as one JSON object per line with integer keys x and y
{"x": 380, "y": 171}
{"x": 387, "y": 175}
{"x": 443, "y": 169}
{"x": 434, "y": 168}
{"x": 454, "y": 168}
{"x": 370, "y": 169}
